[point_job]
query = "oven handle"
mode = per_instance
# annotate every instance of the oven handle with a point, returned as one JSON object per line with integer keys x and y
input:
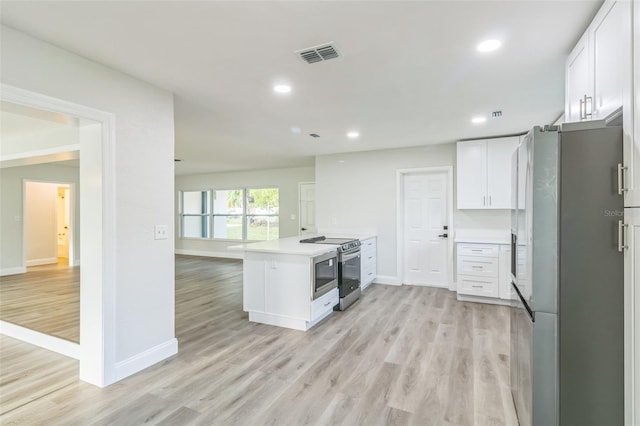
{"x": 350, "y": 255}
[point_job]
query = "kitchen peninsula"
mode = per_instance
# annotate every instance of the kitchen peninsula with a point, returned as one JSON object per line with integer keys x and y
{"x": 279, "y": 282}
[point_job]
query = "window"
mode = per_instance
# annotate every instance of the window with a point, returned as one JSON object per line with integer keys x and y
{"x": 263, "y": 214}
{"x": 231, "y": 214}
{"x": 195, "y": 214}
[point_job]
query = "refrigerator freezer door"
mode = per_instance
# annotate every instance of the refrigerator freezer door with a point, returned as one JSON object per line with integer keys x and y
{"x": 591, "y": 289}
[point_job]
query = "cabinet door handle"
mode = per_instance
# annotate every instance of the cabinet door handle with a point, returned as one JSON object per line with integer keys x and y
{"x": 588, "y": 100}
{"x": 490, "y": 200}
{"x": 477, "y": 286}
{"x": 328, "y": 303}
{"x": 583, "y": 107}
{"x": 621, "y": 239}
{"x": 484, "y": 200}
{"x": 621, "y": 188}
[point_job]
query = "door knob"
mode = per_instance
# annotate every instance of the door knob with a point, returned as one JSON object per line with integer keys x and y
{"x": 303, "y": 229}
{"x": 443, "y": 235}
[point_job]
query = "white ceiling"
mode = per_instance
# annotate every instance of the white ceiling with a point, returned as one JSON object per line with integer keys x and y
{"x": 409, "y": 74}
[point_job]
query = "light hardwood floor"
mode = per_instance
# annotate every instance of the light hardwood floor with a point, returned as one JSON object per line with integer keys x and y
{"x": 400, "y": 356}
{"x": 45, "y": 299}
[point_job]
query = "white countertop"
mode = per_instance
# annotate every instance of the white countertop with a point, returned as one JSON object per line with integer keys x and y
{"x": 483, "y": 236}
{"x": 291, "y": 245}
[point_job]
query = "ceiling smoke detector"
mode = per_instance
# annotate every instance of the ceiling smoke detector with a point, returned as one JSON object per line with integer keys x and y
{"x": 320, "y": 53}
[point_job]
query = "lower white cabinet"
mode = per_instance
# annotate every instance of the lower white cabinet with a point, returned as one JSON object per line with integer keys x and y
{"x": 368, "y": 263}
{"x": 277, "y": 291}
{"x": 322, "y": 305}
{"x": 483, "y": 270}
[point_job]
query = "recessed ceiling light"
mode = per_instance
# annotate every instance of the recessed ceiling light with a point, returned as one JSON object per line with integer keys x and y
{"x": 478, "y": 120}
{"x": 353, "y": 135}
{"x": 489, "y": 45}
{"x": 282, "y": 88}
{"x": 295, "y": 130}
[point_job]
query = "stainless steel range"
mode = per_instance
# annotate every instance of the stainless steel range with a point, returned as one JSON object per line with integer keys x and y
{"x": 348, "y": 268}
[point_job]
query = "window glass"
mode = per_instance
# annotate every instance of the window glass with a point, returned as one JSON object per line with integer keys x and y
{"x": 195, "y": 226}
{"x": 195, "y": 202}
{"x": 228, "y": 202}
{"x": 227, "y": 227}
{"x": 262, "y": 228}
{"x": 263, "y": 201}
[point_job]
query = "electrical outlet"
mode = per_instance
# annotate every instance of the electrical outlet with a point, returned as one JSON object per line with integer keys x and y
{"x": 161, "y": 232}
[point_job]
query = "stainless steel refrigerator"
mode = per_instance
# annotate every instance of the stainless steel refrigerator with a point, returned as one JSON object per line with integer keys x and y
{"x": 567, "y": 322}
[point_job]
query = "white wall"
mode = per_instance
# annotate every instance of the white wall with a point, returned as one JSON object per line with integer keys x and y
{"x": 12, "y": 216}
{"x": 40, "y": 223}
{"x": 144, "y": 186}
{"x": 357, "y": 192}
{"x": 285, "y": 179}
{"x": 21, "y": 133}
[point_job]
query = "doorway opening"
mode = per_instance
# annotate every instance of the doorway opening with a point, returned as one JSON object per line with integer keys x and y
{"x": 49, "y": 227}
{"x": 94, "y": 237}
{"x": 425, "y": 226}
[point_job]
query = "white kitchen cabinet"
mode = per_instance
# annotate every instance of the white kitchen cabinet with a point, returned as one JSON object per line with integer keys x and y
{"x": 504, "y": 282}
{"x": 484, "y": 173}
{"x": 577, "y": 79}
{"x": 368, "y": 262}
{"x": 632, "y": 136}
{"x": 598, "y": 78}
{"x": 277, "y": 291}
{"x": 484, "y": 272}
{"x": 632, "y": 314}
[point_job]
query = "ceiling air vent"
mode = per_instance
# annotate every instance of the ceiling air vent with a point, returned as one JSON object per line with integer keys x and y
{"x": 314, "y": 54}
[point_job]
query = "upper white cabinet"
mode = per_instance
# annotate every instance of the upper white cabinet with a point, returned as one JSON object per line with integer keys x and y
{"x": 598, "y": 68}
{"x": 577, "y": 81}
{"x": 484, "y": 173}
{"x": 632, "y": 136}
{"x": 601, "y": 73}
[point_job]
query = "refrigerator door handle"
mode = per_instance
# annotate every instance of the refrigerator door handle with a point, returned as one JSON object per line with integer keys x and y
{"x": 621, "y": 239}
{"x": 621, "y": 188}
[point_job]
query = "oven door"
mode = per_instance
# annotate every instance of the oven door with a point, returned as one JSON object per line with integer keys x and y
{"x": 349, "y": 272}
{"x": 324, "y": 274}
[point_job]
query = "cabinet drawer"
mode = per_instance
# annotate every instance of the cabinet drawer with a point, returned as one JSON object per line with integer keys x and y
{"x": 324, "y": 304}
{"x": 478, "y": 266}
{"x": 478, "y": 286}
{"x": 369, "y": 243}
{"x": 368, "y": 274}
{"x": 484, "y": 250}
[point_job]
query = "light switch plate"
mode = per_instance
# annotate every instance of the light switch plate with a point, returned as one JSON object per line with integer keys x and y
{"x": 161, "y": 232}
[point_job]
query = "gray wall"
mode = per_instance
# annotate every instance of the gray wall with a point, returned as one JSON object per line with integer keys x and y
{"x": 11, "y": 205}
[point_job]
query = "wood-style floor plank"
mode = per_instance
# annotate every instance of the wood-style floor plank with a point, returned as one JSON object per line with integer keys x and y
{"x": 400, "y": 356}
{"x": 45, "y": 299}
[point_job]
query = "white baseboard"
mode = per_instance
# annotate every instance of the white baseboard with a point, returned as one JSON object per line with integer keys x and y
{"x": 146, "y": 359}
{"x": 43, "y": 261}
{"x": 222, "y": 254}
{"x": 385, "y": 279}
{"x": 13, "y": 271}
{"x": 54, "y": 344}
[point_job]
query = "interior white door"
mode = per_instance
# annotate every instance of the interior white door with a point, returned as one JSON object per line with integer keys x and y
{"x": 425, "y": 214}
{"x": 308, "y": 208}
